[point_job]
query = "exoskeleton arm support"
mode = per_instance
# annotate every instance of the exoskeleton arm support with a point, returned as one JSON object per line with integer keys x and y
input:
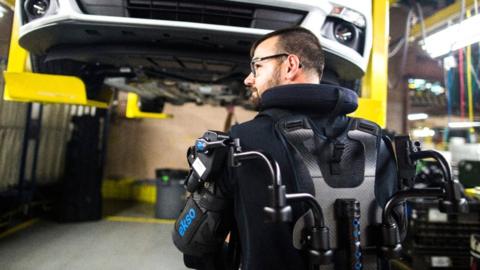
{"x": 318, "y": 245}
{"x": 449, "y": 193}
{"x": 208, "y": 156}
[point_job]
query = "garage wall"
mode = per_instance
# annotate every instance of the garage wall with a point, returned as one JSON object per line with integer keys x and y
{"x": 136, "y": 148}
{"x": 54, "y": 134}
{"x": 12, "y": 126}
{"x": 5, "y": 29}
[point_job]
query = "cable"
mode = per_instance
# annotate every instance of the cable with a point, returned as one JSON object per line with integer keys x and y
{"x": 448, "y": 85}
{"x": 460, "y": 66}
{"x": 405, "y": 48}
{"x": 404, "y": 40}
{"x": 422, "y": 21}
{"x": 475, "y": 4}
{"x": 469, "y": 83}
{"x": 471, "y": 97}
{"x": 451, "y": 74}
{"x": 397, "y": 48}
{"x": 462, "y": 83}
{"x": 475, "y": 76}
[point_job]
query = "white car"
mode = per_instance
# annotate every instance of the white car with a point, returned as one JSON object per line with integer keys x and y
{"x": 199, "y": 41}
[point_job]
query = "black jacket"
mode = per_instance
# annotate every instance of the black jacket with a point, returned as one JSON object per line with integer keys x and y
{"x": 267, "y": 245}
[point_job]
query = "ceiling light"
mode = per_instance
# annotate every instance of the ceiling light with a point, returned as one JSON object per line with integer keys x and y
{"x": 2, "y": 11}
{"x": 423, "y": 132}
{"x": 463, "y": 124}
{"x": 417, "y": 116}
{"x": 449, "y": 62}
{"x": 453, "y": 37}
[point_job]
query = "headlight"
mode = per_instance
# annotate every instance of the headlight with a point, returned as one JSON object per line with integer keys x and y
{"x": 36, "y": 8}
{"x": 344, "y": 32}
{"x": 349, "y": 15}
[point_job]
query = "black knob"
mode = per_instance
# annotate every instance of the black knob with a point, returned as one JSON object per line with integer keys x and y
{"x": 320, "y": 257}
{"x": 278, "y": 214}
{"x": 391, "y": 247}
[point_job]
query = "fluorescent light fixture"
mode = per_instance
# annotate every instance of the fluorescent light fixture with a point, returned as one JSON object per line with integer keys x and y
{"x": 423, "y": 132}
{"x": 2, "y": 11}
{"x": 417, "y": 116}
{"x": 449, "y": 62}
{"x": 463, "y": 124}
{"x": 453, "y": 37}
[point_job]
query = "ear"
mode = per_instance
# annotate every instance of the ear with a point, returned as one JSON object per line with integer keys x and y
{"x": 293, "y": 67}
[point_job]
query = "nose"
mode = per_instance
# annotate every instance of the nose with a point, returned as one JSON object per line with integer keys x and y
{"x": 249, "y": 80}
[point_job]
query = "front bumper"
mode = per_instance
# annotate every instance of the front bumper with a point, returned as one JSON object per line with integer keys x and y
{"x": 71, "y": 28}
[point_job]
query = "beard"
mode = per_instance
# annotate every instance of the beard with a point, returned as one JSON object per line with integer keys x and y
{"x": 255, "y": 97}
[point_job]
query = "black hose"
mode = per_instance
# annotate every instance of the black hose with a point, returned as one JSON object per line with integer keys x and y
{"x": 277, "y": 183}
{"x": 275, "y": 174}
{"x": 447, "y": 174}
{"x": 317, "y": 210}
{"x": 406, "y": 194}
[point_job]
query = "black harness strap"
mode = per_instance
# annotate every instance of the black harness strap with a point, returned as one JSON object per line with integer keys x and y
{"x": 213, "y": 203}
{"x": 338, "y": 105}
{"x": 312, "y": 152}
{"x": 295, "y": 123}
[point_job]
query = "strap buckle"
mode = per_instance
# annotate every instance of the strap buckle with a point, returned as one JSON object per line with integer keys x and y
{"x": 337, "y": 154}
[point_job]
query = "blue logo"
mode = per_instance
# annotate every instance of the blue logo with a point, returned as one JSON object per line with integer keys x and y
{"x": 186, "y": 221}
{"x": 201, "y": 145}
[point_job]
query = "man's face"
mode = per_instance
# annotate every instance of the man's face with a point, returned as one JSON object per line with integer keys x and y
{"x": 267, "y": 72}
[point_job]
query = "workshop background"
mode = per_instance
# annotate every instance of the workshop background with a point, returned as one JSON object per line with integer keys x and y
{"x": 96, "y": 120}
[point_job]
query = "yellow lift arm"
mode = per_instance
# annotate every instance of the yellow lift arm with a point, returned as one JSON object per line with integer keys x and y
{"x": 373, "y": 103}
{"x": 134, "y": 112}
{"x": 24, "y": 86}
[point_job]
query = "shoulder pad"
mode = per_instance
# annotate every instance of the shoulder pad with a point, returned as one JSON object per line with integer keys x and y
{"x": 366, "y": 126}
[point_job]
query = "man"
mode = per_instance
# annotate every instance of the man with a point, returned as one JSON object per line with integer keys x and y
{"x": 266, "y": 57}
{"x": 286, "y": 69}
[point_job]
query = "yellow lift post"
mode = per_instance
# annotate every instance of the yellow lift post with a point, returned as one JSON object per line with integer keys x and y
{"x": 373, "y": 103}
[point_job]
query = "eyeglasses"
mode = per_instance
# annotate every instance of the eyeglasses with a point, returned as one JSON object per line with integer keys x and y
{"x": 258, "y": 59}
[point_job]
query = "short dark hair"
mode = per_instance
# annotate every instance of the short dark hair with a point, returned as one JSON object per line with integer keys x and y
{"x": 301, "y": 42}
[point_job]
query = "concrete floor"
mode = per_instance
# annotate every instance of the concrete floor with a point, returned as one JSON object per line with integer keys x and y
{"x": 130, "y": 239}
